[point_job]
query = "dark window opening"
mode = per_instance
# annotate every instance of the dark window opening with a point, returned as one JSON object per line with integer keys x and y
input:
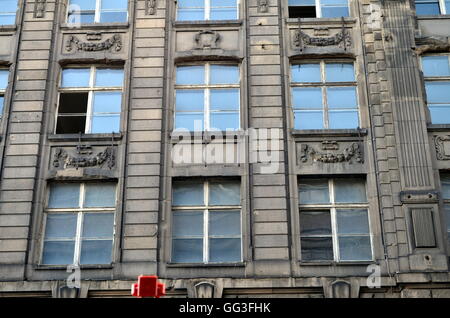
{"x": 72, "y": 113}
{"x": 302, "y": 12}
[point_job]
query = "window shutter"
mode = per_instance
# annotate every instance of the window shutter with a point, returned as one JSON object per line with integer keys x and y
{"x": 423, "y": 227}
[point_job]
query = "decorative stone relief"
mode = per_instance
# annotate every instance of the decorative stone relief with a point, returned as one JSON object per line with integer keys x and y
{"x": 351, "y": 152}
{"x": 205, "y": 288}
{"x": 206, "y": 39}
{"x": 419, "y": 196}
{"x": 150, "y": 7}
{"x": 341, "y": 39}
{"x": 114, "y": 43}
{"x": 432, "y": 44}
{"x": 263, "y": 6}
{"x": 39, "y": 8}
{"x": 84, "y": 158}
{"x": 442, "y": 144}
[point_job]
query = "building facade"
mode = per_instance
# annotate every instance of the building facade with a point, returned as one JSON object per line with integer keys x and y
{"x": 234, "y": 148}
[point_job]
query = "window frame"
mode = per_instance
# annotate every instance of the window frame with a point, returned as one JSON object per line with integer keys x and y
{"x": 80, "y": 212}
{"x": 323, "y": 85}
{"x": 206, "y": 208}
{"x": 442, "y": 8}
{"x": 206, "y": 88}
{"x": 445, "y": 202}
{"x": 97, "y": 13}
{"x": 3, "y": 91}
{"x": 332, "y": 206}
{"x": 318, "y": 8}
{"x": 90, "y": 90}
{"x": 433, "y": 79}
{"x": 207, "y": 12}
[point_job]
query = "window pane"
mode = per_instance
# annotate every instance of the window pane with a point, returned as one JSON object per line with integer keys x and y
{"x": 73, "y": 103}
{"x": 96, "y": 252}
{"x": 438, "y": 92}
{"x": 315, "y": 223}
{"x": 304, "y": 73}
{"x": 339, "y": 72}
{"x": 187, "y": 251}
{"x": 98, "y": 225}
{"x": 187, "y": 194}
{"x": 223, "y": 3}
{"x": 190, "y": 14}
{"x": 317, "y": 249}
{"x": 445, "y": 185}
{"x": 3, "y": 79}
{"x": 224, "y": 74}
{"x": 190, "y": 3}
{"x": 447, "y": 6}
{"x": 71, "y": 124}
{"x": 224, "y": 250}
{"x": 118, "y": 16}
{"x": 310, "y": 97}
{"x": 334, "y": 12}
{"x": 9, "y": 5}
{"x": 187, "y": 223}
{"x": 341, "y": 97}
{"x": 114, "y": 4}
{"x": 64, "y": 195}
{"x": 308, "y": 120}
{"x": 302, "y": 2}
{"x": 58, "y": 253}
{"x": 224, "y": 223}
{"x": 107, "y": 102}
{"x": 7, "y": 19}
{"x": 189, "y": 121}
{"x": 355, "y": 248}
{"x": 100, "y": 195}
{"x": 75, "y": 77}
{"x": 436, "y": 65}
{"x": 225, "y": 121}
{"x": 62, "y": 225}
{"x": 190, "y": 75}
{"x": 190, "y": 100}
{"x": 350, "y": 190}
{"x": 84, "y": 4}
{"x": 223, "y": 14}
{"x": 314, "y": 191}
{"x": 225, "y": 193}
{"x": 427, "y": 8}
{"x": 107, "y": 77}
{"x": 76, "y": 17}
{"x": 352, "y": 221}
{"x": 224, "y": 99}
{"x": 447, "y": 215}
{"x": 343, "y": 119}
{"x": 2, "y": 103}
{"x": 105, "y": 124}
{"x": 440, "y": 114}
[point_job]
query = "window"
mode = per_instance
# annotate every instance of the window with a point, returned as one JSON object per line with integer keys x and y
{"x": 90, "y": 100}
{"x": 207, "y": 10}
{"x": 206, "y": 222}
{"x": 8, "y": 12}
{"x": 432, "y": 7}
{"x": 79, "y": 223}
{"x": 334, "y": 221}
{"x": 436, "y": 71}
{"x": 445, "y": 185}
{"x": 3, "y": 84}
{"x": 324, "y": 96}
{"x": 318, "y": 8}
{"x": 95, "y": 11}
{"x": 207, "y": 97}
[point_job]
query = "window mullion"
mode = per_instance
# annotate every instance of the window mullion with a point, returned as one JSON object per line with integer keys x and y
{"x": 333, "y": 220}
{"x": 324, "y": 95}
{"x": 318, "y": 9}
{"x": 207, "y": 97}
{"x": 205, "y": 223}
{"x": 90, "y": 100}
{"x": 97, "y": 11}
{"x": 207, "y": 10}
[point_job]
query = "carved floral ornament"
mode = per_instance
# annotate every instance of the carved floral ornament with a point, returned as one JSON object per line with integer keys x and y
{"x": 39, "y": 8}
{"x": 206, "y": 39}
{"x": 351, "y": 152}
{"x": 113, "y": 43}
{"x": 439, "y": 143}
{"x": 84, "y": 158}
{"x": 150, "y": 7}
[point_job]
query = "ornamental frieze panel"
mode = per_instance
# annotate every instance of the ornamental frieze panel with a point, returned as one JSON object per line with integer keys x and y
{"x": 330, "y": 152}
{"x": 83, "y": 156}
{"x": 93, "y": 42}
{"x": 442, "y": 145}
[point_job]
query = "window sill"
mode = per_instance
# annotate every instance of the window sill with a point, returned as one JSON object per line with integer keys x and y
{"x": 203, "y": 265}
{"x": 433, "y": 17}
{"x": 71, "y": 266}
{"x": 438, "y": 127}
{"x": 8, "y": 27}
{"x": 85, "y": 137}
{"x": 347, "y": 20}
{"x": 329, "y": 132}
{"x": 208, "y": 23}
{"x": 333, "y": 263}
{"x": 113, "y": 25}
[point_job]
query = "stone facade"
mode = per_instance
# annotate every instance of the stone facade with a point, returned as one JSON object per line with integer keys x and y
{"x": 396, "y": 148}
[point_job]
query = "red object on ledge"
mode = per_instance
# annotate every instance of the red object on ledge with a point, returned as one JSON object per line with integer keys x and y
{"x": 148, "y": 286}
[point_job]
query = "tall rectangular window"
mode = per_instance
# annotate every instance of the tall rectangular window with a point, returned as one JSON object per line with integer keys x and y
{"x": 318, "y": 8}
{"x": 97, "y": 11}
{"x": 324, "y": 95}
{"x": 445, "y": 186}
{"x": 8, "y": 10}
{"x": 436, "y": 71}
{"x": 90, "y": 100}
{"x": 188, "y": 10}
{"x": 206, "y": 222}
{"x": 432, "y": 7}
{"x": 207, "y": 97}
{"x": 4, "y": 74}
{"x": 79, "y": 225}
{"x": 334, "y": 222}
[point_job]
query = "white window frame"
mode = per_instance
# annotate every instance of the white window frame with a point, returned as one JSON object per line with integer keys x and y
{"x": 207, "y": 11}
{"x": 79, "y": 212}
{"x": 323, "y": 84}
{"x": 332, "y": 206}
{"x": 97, "y": 13}
{"x": 442, "y": 7}
{"x": 91, "y": 89}
{"x": 206, "y": 208}
{"x": 318, "y": 6}
{"x": 207, "y": 87}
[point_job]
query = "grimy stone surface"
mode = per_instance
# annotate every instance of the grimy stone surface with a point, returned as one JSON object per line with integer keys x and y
{"x": 402, "y": 153}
